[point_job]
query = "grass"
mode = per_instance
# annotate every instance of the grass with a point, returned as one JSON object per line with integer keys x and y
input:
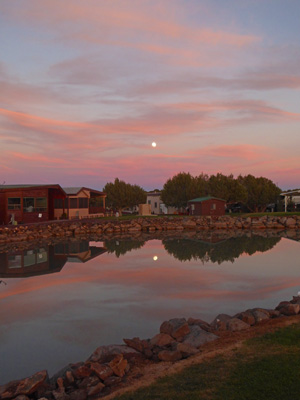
{"x": 273, "y": 214}
{"x": 266, "y": 368}
{"x": 130, "y": 217}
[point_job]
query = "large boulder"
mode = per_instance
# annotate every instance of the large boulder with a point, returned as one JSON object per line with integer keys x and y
{"x": 235, "y": 324}
{"x": 161, "y": 340}
{"x": 198, "y": 337}
{"x": 118, "y": 364}
{"x": 290, "y": 309}
{"x": 141, "y": 346}
{"x": 101, "y": 370}
{"x": 220, "y": 322}
{"x": 246, "y": 317}
{"x": 25, "y": 386}
{"x": 176, "y": 327}
{"x": 199, "y": 322}
{"x": 260, "y": 315}
{"x": 102, "y": 352}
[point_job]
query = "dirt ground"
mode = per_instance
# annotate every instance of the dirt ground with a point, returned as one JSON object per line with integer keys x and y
{"x": 146, "y": 372}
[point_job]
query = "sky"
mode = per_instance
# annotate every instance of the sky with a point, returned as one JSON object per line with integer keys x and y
{"x": 87, "y": 86}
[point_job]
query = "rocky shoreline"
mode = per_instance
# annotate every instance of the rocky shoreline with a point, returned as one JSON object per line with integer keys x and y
{"x": 60, "y": 229}
{"x": 107, "y": 369}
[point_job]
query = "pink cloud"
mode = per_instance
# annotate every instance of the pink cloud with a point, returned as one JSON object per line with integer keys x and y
{"x": 247, "y": 152}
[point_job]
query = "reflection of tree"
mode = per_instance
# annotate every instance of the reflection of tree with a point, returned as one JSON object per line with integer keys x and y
{"x": 226, "y": 250}
{"x": 122, "y": 246}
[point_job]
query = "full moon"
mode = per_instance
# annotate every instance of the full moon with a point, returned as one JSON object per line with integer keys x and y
{"x": 153, "y": 144}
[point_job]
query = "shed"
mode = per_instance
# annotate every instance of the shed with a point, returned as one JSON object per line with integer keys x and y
{"x": 207, "y": 206}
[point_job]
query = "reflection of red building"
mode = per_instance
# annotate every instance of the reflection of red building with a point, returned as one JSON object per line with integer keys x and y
{"x": 28, "y": 203}
{"x": 31, "y": 262}
{"x": 46, "y": 259}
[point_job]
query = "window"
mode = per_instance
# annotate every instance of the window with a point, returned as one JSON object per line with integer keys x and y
{"x": 155, "y": 205}
{"x": 96, "y": 201}
{"x": 41, "y": 204}
{"x": 28, "y": 204}
{"x": 14, "y": 203}
{"x": 149, "y": 201}
{"x": 73, "y": 203}
{"x": 58, "y": 203}
{"x": 83, "y": 202}
{"x": 213, "y": 206}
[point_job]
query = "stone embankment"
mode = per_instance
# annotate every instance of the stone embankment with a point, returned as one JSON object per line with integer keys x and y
{"x": 152, "y": 224}
{"x": 108, "y": 368}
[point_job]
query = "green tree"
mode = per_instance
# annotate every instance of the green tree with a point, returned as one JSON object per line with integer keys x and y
{"x": 227, "y": 188}
{"x": 177, "y": 191}
{"x": 121, "y": 195}
{"x": 261, "y": 192}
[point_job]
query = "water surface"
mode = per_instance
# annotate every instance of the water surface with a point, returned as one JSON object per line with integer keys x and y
{"x": 59, "y": 302}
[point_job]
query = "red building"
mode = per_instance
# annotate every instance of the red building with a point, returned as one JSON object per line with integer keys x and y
{"x": 207, "y": 206}
{"x": 28, "y": 203}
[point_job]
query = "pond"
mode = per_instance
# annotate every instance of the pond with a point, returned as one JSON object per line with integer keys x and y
{"x": 62, "y": 300}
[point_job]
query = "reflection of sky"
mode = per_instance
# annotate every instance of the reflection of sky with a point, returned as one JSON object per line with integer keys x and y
{"x": 51, "y": 320}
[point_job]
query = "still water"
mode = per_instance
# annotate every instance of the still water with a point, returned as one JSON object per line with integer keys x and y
{"x": 59, "y": 302}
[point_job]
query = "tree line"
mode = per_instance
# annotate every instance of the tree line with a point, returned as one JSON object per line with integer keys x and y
{"x": 254, "y": 193}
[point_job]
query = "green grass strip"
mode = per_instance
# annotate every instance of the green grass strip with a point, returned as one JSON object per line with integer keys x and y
{"x": 265, "y": 368}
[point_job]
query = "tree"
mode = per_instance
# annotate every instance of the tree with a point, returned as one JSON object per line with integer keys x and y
{"x": 177, "y": 191}
{"x": 121, "y": 194}
{"x": 261, "y": 192}
{"x": 227, "y": 188}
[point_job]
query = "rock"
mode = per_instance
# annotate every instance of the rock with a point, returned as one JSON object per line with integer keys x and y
{"x": 259, "y": 316}
{"x": 186, "y": 350}
{"x": 22, "y": 397}
{"x": 101, "y": 370}
{"x": 282, "y": 304}
{"x": 161, "y": 340}
{"x": 235, "y": 324}
{"x": 25, "y": 386}
{"x": 88, "y": 382}
{"x": 102, "y": 352}
{"x": 197, "y": 337}
{"x": 246, "y": 317}
{"x": 220, "y": 322}
{"x": 137, "y": 344}
{"x": 189, "y": 224}
{"x": 79, "y": 394}
{"x": 118, "y": 365}
{"x": 263, "y": 310}
{"x": 290, "y": 223}
{"x": 199, "y": 322}
{"x": 166, "y": 355}
{"x": 176, "y": 327}
{"x": 60, "y": 394}
{"x": 274, "y": 313}
{"x": 96, "y": 389}
{"x": 69, "y": 377}
{"x": 112, "y": 381}
{"x": 290, "y": 309}
{"x": 82, "y": 372}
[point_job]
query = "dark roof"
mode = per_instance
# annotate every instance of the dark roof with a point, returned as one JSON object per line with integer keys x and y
{"x": 153, "y": 193}
{"x": 28, "y": 186}
{"x": 24, "y": 186}
{"x": 75, "y": 190}
{"x": 201, "y": 199}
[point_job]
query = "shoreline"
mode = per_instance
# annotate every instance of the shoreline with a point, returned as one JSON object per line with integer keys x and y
{"x": 77, "y": 228}
{"x": 116, "y": 368}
